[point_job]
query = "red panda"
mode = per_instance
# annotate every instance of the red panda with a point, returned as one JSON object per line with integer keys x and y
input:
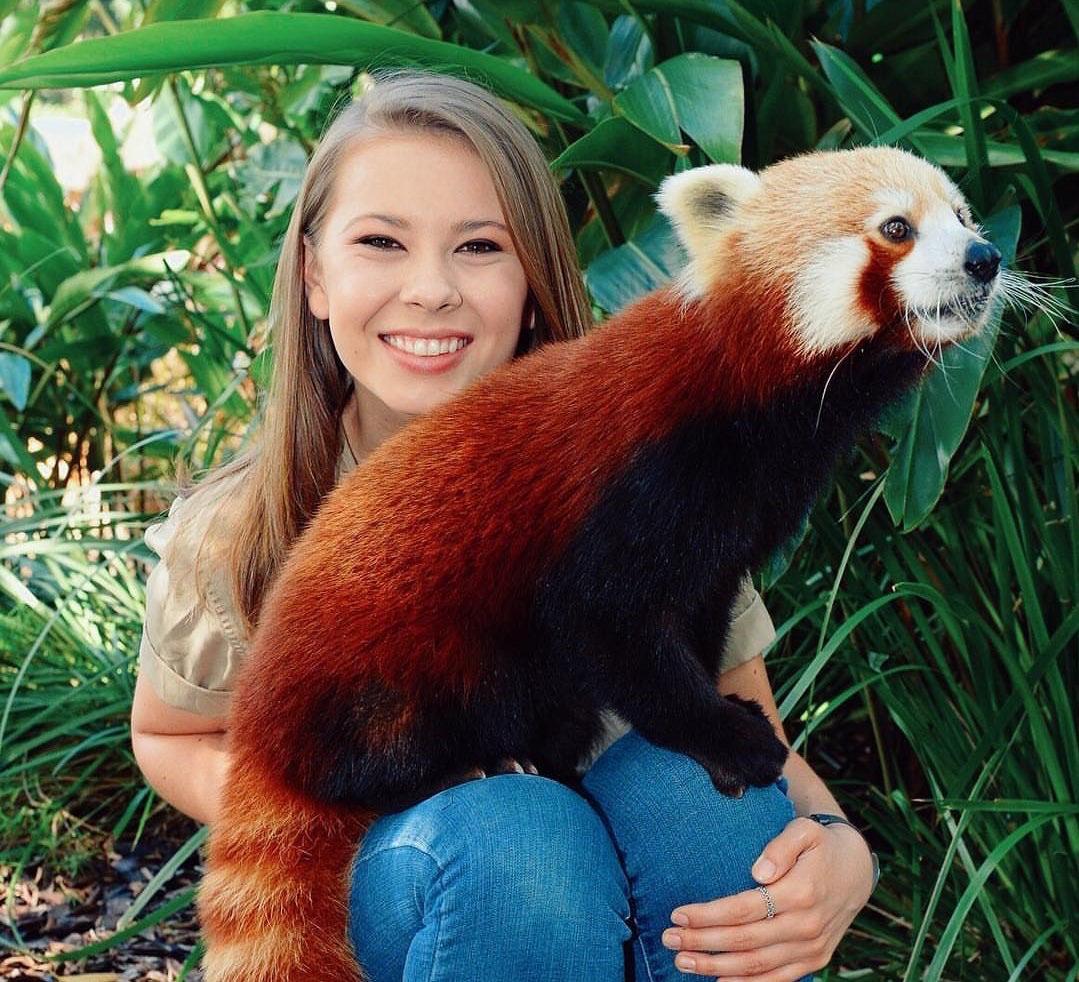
{"x": 567, "y": 535}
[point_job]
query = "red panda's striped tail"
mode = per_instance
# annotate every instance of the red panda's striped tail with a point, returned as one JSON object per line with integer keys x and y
{"x": 274, "y": 903}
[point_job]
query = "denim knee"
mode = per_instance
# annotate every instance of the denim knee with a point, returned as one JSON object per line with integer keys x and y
{"x": 649, "y": 793}
{"x": 679, "y": 839}
{"x": 513, "y": 867}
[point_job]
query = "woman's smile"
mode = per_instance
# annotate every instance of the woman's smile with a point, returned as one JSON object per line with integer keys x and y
{"x": 426, "y": 356}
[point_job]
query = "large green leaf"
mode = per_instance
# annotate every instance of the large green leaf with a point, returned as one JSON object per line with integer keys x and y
{"x": 584, "y": 29}
{"x": 629, "y": 52}
{"x": 277, "y": 165}
{"x": 1041, "y": 71}
{"x": 33, "y": 196}
{"x": 965, "y": 88}
{"x": 269, "y": 38}
{"x": 615, "y": 144}
{"x": 931, "y": 422}
{"x": 160, "y": 11}
{"x": 949, "y": 151}
{"x": 694, "y": 93}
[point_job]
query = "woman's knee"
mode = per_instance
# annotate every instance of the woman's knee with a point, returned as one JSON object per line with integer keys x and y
{"x": 651, "y": 795}
{"x": 512, "y": 841}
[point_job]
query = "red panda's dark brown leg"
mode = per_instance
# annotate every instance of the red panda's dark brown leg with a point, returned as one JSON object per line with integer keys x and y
{"x": 669, "y": 699}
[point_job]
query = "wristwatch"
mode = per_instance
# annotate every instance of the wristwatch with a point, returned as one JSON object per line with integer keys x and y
{"x": 823, "y": 818}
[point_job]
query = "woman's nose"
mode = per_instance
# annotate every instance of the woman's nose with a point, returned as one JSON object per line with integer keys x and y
{"x": 430, "y": 284}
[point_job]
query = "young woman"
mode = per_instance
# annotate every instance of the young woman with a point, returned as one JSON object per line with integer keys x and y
{"x": 429, "y": 245}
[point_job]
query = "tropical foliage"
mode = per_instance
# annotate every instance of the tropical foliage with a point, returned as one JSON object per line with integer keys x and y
{"x": 927, "y": 627}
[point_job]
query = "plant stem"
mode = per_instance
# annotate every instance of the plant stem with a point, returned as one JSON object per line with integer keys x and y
{"x": 203, "y": 193}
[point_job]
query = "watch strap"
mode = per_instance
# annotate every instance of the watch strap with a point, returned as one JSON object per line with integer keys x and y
{"x": 823, "y": 818}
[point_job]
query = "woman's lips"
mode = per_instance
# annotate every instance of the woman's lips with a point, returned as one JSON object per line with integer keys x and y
{"x": 426, "y": 364}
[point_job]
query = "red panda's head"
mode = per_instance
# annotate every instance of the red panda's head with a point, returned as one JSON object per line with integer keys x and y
{"x": 856, "y": 243}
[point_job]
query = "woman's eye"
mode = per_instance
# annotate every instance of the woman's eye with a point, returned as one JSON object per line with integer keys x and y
{"x": 378, "y": 241}
{"x": 483, "y": 246}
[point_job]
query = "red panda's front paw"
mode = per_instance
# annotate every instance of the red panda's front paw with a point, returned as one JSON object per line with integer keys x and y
{"x": 750, "y": 752}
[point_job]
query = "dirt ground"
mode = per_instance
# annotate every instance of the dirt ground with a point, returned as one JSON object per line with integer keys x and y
{"x": 45, "y": 914}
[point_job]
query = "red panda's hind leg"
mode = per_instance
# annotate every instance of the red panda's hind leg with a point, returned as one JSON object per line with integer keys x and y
{"x": 366, "y": 746}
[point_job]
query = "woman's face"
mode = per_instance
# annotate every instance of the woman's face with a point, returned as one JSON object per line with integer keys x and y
{"x": 415, "y": 257}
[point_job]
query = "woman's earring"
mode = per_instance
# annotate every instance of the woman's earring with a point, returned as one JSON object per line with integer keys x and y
{"x": 532, "y": 319}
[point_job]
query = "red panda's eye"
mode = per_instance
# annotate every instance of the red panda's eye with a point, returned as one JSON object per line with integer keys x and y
{"x": 896, "y": 230}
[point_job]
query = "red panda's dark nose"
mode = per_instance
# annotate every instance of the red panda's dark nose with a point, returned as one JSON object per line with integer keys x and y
{"x": 982, "y": 262}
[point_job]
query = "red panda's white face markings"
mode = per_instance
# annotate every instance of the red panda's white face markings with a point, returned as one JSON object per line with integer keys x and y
{"x": 948, "y": 277}
{"x": 859, "y": 242}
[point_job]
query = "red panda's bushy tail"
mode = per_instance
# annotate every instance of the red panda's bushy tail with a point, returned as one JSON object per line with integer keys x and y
{"x": 273, "y": 905}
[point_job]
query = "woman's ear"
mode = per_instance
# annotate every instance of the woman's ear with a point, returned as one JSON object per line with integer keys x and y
{"x": 317, "y": 301}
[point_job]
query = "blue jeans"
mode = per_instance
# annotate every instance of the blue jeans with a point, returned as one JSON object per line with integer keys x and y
{"x": 518, "y": 877}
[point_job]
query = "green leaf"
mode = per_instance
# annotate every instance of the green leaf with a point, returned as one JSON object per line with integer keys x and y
{"x": 58, "y": 24}
{"x": 584, "y": 29}
{"x": 861, "y": 100}
{"x": 695, "y": 93}
{"x": 161, "y": 11}
{"x": 15, "y": 378}
{"x": 620, "y": 276}
{"x": 34, "y": 197}
{"x": 169, "y": 10}
{"x": 208, "y": 121}
{"x": 946, "y": 150}
{"x": 402, "y": 14}
{"x": 974, "y": 888}
{"x": 941, "y": 406}
{"x": 139, "y": 299}
{"x": 86, "y": 287}
{"x": 615, "y": 144}
{"x": 13, "y": 448}
{"x": 1041, "y": 71}
{"x": 629, "y": 52}
{"x": 279, "y": 165}
{"x": 270, "y": 38}
{"x": 966, "y": 89}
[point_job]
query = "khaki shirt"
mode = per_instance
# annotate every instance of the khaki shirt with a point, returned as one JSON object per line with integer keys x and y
{"x": 191, "y": 651}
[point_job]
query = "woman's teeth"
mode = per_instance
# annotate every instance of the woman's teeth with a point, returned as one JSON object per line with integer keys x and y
{"x": 426, "y": 346}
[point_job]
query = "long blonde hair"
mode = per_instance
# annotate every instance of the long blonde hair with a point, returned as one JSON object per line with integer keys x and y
{"x": 275, "y": 485}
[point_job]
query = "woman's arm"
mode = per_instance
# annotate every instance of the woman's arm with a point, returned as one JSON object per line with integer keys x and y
{"x": 808, "y": 792}
{"x": 820, "y": 877}
{"x": 183, "y": 756}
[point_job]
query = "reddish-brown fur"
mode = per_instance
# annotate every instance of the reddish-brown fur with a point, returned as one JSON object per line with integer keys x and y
{"x": 876, "y": 292}
{"x": 377, "y": 539}
{"x": 384, "y": 569}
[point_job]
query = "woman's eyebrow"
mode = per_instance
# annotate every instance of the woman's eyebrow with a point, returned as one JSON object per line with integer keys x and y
{"x": 465, "y": 226}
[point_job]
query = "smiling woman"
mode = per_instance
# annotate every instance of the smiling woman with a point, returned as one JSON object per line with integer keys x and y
{"x": 423, "y": 291}
{"x": 429, "y": 246}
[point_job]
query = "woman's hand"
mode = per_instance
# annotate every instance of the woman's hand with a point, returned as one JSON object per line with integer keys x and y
{"x": 823, "y": 876}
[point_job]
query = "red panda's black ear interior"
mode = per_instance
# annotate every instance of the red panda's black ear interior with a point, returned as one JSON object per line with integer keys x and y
{"x": 701, "y": 202}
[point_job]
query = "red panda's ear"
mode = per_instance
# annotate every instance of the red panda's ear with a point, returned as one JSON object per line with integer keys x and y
{"x": 701, "y": 203}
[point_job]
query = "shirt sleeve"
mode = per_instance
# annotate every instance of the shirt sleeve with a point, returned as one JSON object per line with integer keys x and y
{"x": 191, "y": 649}
{"x": 751, "y": 629}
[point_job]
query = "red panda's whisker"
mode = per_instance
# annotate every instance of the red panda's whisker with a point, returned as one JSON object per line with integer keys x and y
{"x": 820, "y": 409}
